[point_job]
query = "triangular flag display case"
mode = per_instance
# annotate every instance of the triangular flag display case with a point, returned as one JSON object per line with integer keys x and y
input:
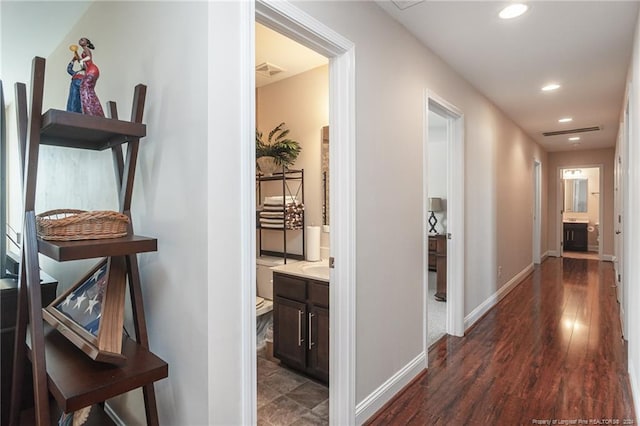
{"x": 77, "y": 360}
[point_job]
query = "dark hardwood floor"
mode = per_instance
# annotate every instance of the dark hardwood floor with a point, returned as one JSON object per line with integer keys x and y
{"x": 551, "y": 350}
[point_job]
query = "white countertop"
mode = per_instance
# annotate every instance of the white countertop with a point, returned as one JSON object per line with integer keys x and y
{"x": 576, "y": 221}
{"x": 313, "y": 270}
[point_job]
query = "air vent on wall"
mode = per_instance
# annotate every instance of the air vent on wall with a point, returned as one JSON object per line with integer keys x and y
{"x": 570, "y": 131}
{"x": 405, "y": 4}
{"x": 268, "y": 70}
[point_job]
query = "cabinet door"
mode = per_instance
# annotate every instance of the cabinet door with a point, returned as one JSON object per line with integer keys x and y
{"x": 580, "y": 238}
{"x": 289, "y": 332}
{"x": 318, "y": 323}
{"x": 568, "y": 241}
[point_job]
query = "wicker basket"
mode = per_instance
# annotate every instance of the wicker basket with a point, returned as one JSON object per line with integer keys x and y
{"x": 73, "y": 225}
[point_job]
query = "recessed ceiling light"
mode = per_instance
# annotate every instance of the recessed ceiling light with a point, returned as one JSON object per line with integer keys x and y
{"x": 565, "y": 120}
{"x": 551, "y": 86}
{"x": 513, "y": 11}
{"x": 575, "y": 138}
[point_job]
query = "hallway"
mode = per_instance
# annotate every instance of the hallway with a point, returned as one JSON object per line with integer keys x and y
{"x": 550, "y": 350}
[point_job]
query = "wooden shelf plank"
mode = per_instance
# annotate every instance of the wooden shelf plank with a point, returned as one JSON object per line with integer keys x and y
{"x": 87, "y": 249}
{"x": 290, "y": 175}
{"x": 76, "y": 381}
{"x": 74, "y": 130}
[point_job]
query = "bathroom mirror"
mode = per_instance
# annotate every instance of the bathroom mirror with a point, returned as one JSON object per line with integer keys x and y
{"x": 575, "y": 195}
{"x": 325, "y": 175}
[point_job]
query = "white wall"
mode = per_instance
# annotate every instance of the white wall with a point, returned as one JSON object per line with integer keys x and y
{"x": 631, "y": 222}
{"x": 392, "y": 72}
{"x": 163, "y": 45}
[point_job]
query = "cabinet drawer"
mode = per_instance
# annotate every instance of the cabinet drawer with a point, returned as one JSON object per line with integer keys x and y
{"x": 319, "y": 294}
{"x": 289, "y": 287}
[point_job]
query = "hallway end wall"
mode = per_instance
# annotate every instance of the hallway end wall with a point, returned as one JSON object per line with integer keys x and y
{"x": 604, "y": 157}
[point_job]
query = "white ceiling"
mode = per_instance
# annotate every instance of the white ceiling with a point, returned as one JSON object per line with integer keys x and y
{"x": 276, "y": 49}
{"x": 583, "y": 45}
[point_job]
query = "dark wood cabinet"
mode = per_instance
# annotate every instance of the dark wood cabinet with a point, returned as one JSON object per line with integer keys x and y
{"x": 575, "y": 236}
{"x": 289, "y": 323}
{"x": 438, "y": 263}
{"x": 301, "y": 324}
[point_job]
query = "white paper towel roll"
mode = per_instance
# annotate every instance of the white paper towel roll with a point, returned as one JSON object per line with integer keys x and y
{"x": 313, "y": 243}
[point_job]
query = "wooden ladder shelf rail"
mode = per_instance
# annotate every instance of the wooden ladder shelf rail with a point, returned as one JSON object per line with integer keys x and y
{"x": 73, "y": 378}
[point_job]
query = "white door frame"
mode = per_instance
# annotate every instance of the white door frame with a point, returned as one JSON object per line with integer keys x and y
{"x": 622, "y": 243}
{"x": 287, "y": 19}
{"x": 537, "y": 210}
{"x": 455, "y": 213}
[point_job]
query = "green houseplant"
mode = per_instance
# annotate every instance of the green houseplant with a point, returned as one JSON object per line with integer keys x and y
{"x": 278, "y": 151}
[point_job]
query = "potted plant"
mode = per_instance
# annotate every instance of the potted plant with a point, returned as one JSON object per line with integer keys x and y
{"x": 277, "y": 152}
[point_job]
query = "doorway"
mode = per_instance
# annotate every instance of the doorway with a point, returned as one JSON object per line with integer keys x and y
{"x": 437, "y": 220}
{"x": 292, "y": 94}
{"x": 443, "y": 195}
{"x": 582, "y": 212}
{"x": 300, "y": 27}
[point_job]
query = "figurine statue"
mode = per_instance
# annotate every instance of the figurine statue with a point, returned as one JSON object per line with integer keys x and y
{"x": 89, "y": 99}
{"x": 73, "y": 101}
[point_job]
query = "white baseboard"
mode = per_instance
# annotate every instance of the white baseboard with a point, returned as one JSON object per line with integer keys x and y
{"x": 553, "y": 253}
{"x": 593, "y": 248}
{"x": 492, "y": 300}
{"x": 383, "y": 394}
{"x": 112, "y": 414}
{"x": 635, "y": 390}
{"x": 608, "y": 257}
{"x": 544, "y": 256}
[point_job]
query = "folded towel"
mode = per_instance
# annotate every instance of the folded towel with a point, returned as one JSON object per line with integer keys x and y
{"x": 271, "y": 226}
{"x": 274, "y": 221}
{"x": 279, "y": 199}
{"x": 279, "y": 208}
{"x": 272, "y": 214}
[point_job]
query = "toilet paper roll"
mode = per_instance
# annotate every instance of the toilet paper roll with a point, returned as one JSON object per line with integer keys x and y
{"x": 313, "y": 243}
{"x": 590, "y": 228}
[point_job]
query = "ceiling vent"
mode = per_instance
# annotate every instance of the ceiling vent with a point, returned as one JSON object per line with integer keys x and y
{"x": 570, "y": 131}
{"x": 405, "y": 4}
{"x": 268, "y": 70}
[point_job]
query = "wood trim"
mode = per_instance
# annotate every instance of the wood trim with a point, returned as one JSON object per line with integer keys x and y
{"x": 397, "y": 396}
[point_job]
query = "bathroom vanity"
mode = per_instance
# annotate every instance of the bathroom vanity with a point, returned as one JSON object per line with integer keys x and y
{"x": 575, "y": 235}
{"x": 301, "y": 317}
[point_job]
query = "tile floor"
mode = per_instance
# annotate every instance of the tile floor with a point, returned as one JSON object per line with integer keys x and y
{"x": 287, "y": 398}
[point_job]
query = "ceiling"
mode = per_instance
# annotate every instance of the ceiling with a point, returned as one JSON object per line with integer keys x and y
{"x": 585, "y": 46}
{"x": 277, "y": 50}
